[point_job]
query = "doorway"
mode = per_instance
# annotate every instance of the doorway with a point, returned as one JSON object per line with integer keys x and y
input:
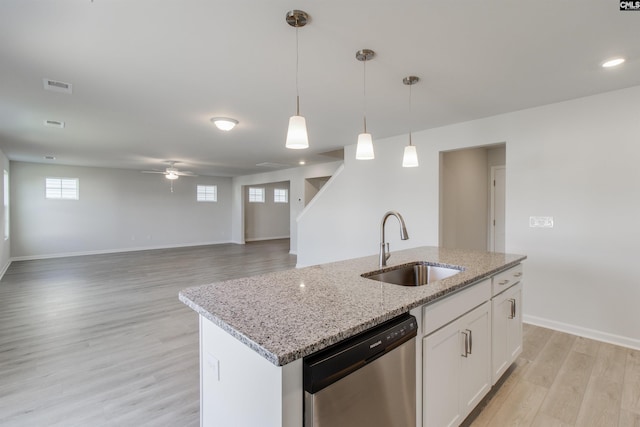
{"x": 469, "y": 202}
{"x": 266, "y": 211}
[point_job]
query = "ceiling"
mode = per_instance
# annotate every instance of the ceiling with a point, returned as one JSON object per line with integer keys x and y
{"x": 148, "y": 75}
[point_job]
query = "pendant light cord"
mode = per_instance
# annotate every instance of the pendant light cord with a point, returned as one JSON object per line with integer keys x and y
{"x": 364, "y": 93}
{"x": 410, "y": 143}
{"x": 297, "y": 66}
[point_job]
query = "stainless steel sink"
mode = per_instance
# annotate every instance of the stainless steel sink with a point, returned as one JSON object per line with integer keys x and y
{"x": 413, "y": 274}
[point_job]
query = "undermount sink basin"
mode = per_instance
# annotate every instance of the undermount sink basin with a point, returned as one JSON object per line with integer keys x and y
{"x": 413, "y": 274}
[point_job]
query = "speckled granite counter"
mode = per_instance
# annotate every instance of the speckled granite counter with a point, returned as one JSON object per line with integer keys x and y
{"x": 287, "y": 315}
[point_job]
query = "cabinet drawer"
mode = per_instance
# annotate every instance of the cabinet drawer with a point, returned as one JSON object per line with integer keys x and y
{"x": 438, "y": 314}
{"x": 506, "y": 279}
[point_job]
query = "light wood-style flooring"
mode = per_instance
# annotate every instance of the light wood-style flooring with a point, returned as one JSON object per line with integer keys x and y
{"x": 103, "y": 340}
{"x": 562, "y": 380}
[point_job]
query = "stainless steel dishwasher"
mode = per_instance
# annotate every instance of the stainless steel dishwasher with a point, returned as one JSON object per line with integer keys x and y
{"x": 367, "y": 380}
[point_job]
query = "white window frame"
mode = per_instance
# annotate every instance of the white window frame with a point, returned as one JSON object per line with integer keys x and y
{"x": 54, "y": 188}
{"x": 256, "y": 194}
{"x": 206, "y": 193}
{"x": 280, "y": 195}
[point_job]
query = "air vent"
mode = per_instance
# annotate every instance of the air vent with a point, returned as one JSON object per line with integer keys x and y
{"x": 57, "y": 86}
{"x": 54, "y": 124}
{"x": 272, "y": 165}
{"x": 49, "y": 157}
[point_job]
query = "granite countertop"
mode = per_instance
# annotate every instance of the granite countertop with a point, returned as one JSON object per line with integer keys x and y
{"x": 290, "y": 314}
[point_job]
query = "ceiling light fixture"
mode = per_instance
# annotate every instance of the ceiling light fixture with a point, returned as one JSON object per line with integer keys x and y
{"x": 364, "y": 149}
{"x": 224, "y": 123}
{"x": 613, "y": 62}
{"x": 172, "y": 175}
{"x": 297, "y": 132}
{"x": 410, "y": 158}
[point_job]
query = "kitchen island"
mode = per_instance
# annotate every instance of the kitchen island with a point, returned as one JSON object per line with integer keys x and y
{"x": 254, "y": 331}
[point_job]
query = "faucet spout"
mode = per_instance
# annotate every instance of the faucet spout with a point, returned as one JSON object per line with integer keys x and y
{"x": 384, "y": 246}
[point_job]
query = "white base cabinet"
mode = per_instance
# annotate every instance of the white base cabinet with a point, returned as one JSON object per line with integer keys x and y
{"x": 469, "y": 341}
{"x": 506, "y": 326}
{"x": 456, "y": 371}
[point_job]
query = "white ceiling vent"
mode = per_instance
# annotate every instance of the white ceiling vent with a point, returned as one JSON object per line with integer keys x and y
{"x": 54, "y": 124}
{"x": 57, "y": 86}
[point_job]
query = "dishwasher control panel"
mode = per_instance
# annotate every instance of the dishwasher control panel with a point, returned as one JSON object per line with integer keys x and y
{"x": 335, "y": 362}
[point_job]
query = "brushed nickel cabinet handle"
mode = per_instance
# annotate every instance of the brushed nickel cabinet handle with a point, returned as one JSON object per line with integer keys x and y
{"x": 470, "y": 341}
{"x": 518, "y": 274}
{"x": 466, "y": 344}
{"x": 512, "y": 314}
{"x": 503, "y": 282}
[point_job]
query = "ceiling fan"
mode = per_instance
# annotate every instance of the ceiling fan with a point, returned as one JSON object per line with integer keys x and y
{"x": 171, "y": 172}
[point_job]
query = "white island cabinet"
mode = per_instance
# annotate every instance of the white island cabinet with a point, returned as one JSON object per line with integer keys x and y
{"x": 255, "y": 332}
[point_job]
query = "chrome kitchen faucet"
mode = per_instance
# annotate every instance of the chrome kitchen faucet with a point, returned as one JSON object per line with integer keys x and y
{"x": 384, "y": 253}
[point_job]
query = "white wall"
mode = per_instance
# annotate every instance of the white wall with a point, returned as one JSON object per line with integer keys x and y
{"x": 268, "y": 220}
{"x": 464, "y": 199}
{"x": 576, "y": 161}
{"x": 5, "y": 246}
{"x": 296, "y": 178}
{"x": 117, "y": 210}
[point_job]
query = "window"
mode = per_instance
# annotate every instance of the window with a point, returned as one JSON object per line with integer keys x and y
{"x": 207, "y": 193}
{"x": 280, "y": 195}
{"x": 62, "y": 188}
{"x": 6, "y": 205}
{"x": 256, "y": 195}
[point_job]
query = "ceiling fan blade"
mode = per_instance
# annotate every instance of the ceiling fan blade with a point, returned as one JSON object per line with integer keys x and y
{"x": 185, "y": 173}
{"x": 163, "y": 172}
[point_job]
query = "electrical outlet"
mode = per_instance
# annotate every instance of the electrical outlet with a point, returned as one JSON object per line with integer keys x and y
{"x": 541, "y": 221}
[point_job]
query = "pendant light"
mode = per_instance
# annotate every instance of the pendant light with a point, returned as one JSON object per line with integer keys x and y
{"x": 410, "y": 158}
{"x": 364, "y": 149}
{"x": 297, "y": 133}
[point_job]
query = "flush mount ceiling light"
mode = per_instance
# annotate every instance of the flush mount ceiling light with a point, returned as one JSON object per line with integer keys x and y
{"x": 224, "y": 123}
{"x": 364, "y": 149}
{"x": 410, "y": 158}
{"x": 297, "y": 132}
{"x": 613, "y": 62}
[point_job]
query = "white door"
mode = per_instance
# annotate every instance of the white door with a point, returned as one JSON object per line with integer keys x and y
{"x": 497, "y": 226}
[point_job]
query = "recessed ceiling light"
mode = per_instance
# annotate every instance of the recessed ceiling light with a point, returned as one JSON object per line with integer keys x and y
{"x": 302, "y": 162}
{"x": 224, "y": 123}
{"x": 613, "y": 62}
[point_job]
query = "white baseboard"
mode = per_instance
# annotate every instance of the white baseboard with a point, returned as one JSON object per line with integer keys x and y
{"x": 259, "y": 239}
{"x": 4, "y": 269}
{"x": 583, "y": 332}
{"x": 112, "y": 251}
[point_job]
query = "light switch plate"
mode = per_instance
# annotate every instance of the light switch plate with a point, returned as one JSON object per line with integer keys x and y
{"x": 541, "y": 221}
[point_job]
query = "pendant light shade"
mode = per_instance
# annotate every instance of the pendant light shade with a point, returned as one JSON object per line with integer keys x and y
{"x": 297, "y": 134}
{"x": 410, "y": 157}
{"x": 364, "y": 149}
{"x": 297, "y": 137}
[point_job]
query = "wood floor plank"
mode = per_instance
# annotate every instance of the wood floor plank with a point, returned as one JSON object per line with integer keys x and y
{"x": 546, "y": 365}
{"x": 631, "y": 386}
{"x": 521, "y": 405}
{"x": 602, "y": 401}
{"x": 565, "y": 396}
